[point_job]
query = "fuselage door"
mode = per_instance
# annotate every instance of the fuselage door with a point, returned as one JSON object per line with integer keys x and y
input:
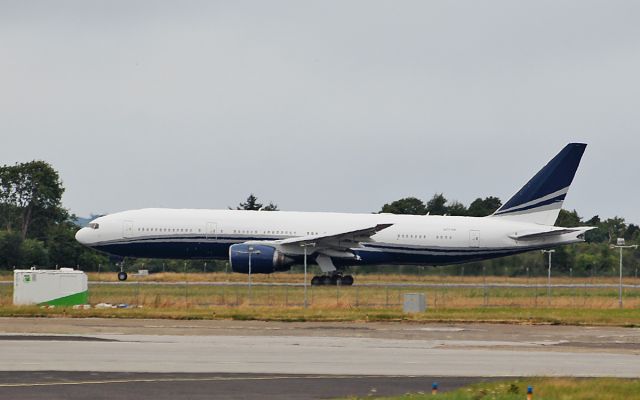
{"x": 474, "y": 238}
{"x": 127, "y": 229}
{"x": 211, "y": 231}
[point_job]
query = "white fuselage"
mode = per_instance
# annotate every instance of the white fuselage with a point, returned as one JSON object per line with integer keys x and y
{"x": 411, "y": 239}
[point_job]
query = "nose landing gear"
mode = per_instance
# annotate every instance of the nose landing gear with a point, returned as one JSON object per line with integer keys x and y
{"x": 122, "y": 275}
{"x": 332, "y": 280}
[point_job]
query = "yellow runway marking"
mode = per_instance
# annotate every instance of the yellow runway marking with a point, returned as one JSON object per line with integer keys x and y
{"x": 211, "y": 379}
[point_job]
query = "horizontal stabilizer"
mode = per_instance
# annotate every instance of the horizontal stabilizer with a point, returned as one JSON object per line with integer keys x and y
{"x": 551, "y": 233}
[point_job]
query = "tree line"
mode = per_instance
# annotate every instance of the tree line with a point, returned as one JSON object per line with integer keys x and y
{"x": 36, "y": 230}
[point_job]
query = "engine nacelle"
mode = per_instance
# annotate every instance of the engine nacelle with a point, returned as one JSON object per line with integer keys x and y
{"x": 264, "y": 259}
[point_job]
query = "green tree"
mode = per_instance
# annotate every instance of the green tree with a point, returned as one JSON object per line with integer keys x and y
{"x": 483, "y": 207}
{"x": 568, "y": 219}
{"x": 597, "y": 235}
{"x": 632, "y": 232}
{"x": 252, "y": 204}
{"x": 456, "y": 208}
{"x": 30, "y": 194}
{"x": 33, "y": 253}
{"x": 10, "y": 249}
{"x": 408, "y": 205}
{"x": 615, "y": 228}
{"x": 437, "y": 205}
{"x": 65, "y": 251}
{"x": 270, "y": 207}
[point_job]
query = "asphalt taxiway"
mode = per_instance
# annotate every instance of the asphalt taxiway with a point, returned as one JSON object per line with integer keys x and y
{"x": 55, "y": 385}
{"x": 238, "y": 359}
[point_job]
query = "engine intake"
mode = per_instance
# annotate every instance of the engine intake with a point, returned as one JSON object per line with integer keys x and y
{"x": 264, "y": 259}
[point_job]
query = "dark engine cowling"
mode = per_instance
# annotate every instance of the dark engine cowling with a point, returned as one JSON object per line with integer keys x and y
{"x": 264, "y": 259}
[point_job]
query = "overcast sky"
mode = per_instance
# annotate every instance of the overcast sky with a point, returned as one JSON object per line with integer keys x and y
{"x": 321, "y": 106}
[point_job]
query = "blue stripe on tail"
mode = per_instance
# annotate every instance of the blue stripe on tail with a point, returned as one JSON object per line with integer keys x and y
{"x": 554, "y": 179}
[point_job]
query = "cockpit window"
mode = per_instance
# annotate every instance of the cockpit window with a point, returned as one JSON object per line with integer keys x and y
{"x": 94, "y": 225}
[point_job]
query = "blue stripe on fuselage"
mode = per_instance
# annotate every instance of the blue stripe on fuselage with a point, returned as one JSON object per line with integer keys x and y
{"x": 199, "y": 248}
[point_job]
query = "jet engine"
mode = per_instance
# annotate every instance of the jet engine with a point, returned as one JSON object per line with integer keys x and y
{"x": 264, "y": 259}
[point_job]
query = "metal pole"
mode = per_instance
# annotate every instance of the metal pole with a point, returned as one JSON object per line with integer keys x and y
{"x": 620, "y": 286}
{"x": 484, "y": 285}
{"x": 549, "y": 282}
{"x": 305, "y": 277}
{"x": 250, "y": 252}
{"x": 186, "y": 286}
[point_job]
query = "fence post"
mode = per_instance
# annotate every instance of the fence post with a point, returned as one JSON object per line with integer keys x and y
{"x": 484, "y": 286}
{"x": 186, "y": 287}
{"x": 357, "y": 292}
{"x": 138, "y": 292}
{"x": 286, "y": 296}
{"x": 386, "y": 289}
{"x": 574, "y": 299}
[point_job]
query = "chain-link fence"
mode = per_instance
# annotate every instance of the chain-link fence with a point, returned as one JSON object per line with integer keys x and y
{"x": 369, "y": 295}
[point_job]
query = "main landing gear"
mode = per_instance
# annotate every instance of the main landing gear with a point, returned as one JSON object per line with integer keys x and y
{"x": 332, "y": 280}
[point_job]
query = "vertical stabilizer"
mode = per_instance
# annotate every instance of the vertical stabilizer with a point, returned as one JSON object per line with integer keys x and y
{"x": 540, "y": 200}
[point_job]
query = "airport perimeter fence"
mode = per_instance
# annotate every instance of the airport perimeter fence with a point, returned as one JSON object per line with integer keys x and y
{"x": 582, "y": 294}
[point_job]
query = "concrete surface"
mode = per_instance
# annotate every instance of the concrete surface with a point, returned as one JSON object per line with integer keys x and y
{"x": 66, "y": 358}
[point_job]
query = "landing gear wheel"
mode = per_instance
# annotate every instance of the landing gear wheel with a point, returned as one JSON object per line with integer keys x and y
{"x": 347, "y": 280}
{"x": 332, "y": 280}
{"x": 122, "y": 276}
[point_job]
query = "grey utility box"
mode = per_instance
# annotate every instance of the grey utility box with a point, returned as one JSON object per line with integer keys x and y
{"x": 414, "y": 303}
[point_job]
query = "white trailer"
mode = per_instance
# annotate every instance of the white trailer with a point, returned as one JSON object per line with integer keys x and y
{"x": 61, "y": 287}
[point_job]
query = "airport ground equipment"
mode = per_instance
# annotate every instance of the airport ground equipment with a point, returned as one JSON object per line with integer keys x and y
{"x": 414, "y": 303}
{"x": 61, "y": 287}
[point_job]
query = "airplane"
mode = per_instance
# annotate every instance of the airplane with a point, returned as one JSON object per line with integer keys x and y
{"x": 266, "y": 242}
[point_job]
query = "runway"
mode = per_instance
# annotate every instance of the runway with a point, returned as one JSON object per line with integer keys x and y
{"x": 348, "y": 355}
{"x": 54, "y": 385}
{"x": 309, "y": 355}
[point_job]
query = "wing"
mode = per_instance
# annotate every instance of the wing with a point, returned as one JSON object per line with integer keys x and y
{"x": 344, "y": 240}
{"x": 326, "y": 246}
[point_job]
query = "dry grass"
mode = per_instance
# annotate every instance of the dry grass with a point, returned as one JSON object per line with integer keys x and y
{"x": 289, "y": 277}
{"x": 543, "y": 388}
{"x": 168, "y": 297}
{"x": 628, "y": 318}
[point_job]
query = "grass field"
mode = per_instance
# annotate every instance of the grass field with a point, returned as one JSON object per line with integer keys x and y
{"x": 290, "y": 277}
{"x": 627, "y": 317}
{"x": 543, "y": 389}
{"x": 169, "y": 297}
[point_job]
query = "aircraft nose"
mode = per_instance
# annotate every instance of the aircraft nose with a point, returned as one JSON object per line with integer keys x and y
{"x": 82, "y": 236}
